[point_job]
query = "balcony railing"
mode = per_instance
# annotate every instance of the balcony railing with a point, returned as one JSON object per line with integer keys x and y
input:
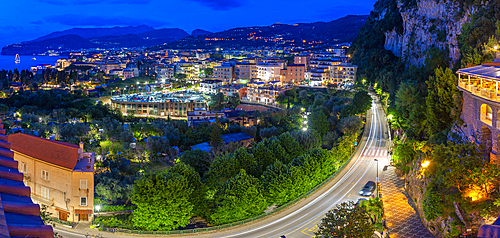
{"x": 486, "y": 119}
{"x": 483, "y": 93}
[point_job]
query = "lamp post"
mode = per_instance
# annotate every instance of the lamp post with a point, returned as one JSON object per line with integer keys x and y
{"x": 377, "y": 178}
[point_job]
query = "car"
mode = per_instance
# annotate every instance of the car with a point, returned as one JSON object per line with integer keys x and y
{"x": 368, "y": 189}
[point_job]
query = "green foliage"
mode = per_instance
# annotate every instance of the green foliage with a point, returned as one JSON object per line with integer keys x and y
{"x": 163, "y": 201}
{"x": 432, "y": 204}
{"x": 216, "y": 101}
{"x": 120, "y": 221}
{"x": 198, "y": 159}
{"x": 208, "y": 71}
{"x": 440, "y": 102}
{"x": 346, "y": 220}
{"x": 216, "y": 135}
{"x": 361, "y": 103}
{"x": 318, "y": 121}
{"x": 239, "y": 198}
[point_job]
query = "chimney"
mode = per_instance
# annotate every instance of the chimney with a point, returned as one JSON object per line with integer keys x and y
{"x": 80, "y": 150}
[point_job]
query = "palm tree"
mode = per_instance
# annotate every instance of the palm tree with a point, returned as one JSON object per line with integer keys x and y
{"x": 374, "y": 207}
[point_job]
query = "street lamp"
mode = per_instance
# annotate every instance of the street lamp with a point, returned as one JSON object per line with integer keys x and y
{"x": 377, "y": 178}
{"x": 425, "y": 164}
{"x": 304, "y": 129}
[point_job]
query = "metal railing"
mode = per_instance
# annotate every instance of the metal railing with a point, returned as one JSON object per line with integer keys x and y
{"x": 220, "y": 227}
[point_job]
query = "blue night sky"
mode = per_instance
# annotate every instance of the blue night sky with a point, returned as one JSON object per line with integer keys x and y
{"x": 23, "y": 20}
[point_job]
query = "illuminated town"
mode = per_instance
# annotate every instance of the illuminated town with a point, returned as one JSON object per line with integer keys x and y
{"x": 266, "y": 119}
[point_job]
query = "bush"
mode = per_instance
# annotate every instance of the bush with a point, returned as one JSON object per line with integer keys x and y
{"x": 432, "y": 204}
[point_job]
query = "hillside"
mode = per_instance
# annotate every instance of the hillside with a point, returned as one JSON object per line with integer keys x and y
{"x": 337, "y": 31}
{"x": 98, "y": 32}
{"x": 39, "y": 47}
{"x": 144, "y": 36}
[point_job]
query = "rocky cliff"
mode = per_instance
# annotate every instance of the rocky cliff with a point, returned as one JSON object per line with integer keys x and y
{"x": 426, "y": 24}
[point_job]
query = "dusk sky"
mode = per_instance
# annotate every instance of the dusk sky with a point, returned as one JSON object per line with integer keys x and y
{"x": 23, "y": 20}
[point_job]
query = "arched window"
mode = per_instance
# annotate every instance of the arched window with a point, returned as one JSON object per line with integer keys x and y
{"x": 486, "y": 114}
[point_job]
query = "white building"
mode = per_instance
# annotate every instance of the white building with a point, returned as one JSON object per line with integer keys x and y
{"x": 269, "y": 71}
{"x": 210, "y": 86}
{"x": 164, "y": 73}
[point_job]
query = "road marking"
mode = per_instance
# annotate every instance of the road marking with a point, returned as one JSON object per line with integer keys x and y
{"x": 307, "y": 233}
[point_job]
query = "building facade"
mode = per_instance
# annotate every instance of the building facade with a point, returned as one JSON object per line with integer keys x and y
{"x": 158, "y": 104}
{"x": 224, "y": 73}
{"x": 60, "y": 175}
{"x": 481, "y": 106}
{"x": 294, "y": 73}
{"x": 245, "y": 71}
{"x": 210, "y": 86}
{"x": 269, "y": 71}
{"x": 344, "y": 73}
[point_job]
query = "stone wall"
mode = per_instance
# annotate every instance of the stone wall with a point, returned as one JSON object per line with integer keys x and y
{"x": 471, "y": 115}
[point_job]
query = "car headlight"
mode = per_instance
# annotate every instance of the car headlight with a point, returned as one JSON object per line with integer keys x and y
{"x": 369, "y": 193}
{"x": 360, "y": 192}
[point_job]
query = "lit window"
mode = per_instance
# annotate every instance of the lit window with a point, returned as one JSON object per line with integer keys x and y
{"x": 45, "y": 175}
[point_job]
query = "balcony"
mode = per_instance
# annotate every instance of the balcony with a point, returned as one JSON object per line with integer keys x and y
{"x": 484, "y": 92}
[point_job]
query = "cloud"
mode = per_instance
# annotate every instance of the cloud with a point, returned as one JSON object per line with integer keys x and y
{"x": 93, "y": 2}
{"x": 221, "y": 5}
{"x": 82, "y": 20}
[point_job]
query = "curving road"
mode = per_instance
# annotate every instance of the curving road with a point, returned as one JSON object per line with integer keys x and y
{"x": 302, "y": 219}
{"x": 362, "y": 168}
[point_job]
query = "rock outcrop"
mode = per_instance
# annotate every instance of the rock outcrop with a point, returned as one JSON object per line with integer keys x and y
{"x": 429, "y": 23}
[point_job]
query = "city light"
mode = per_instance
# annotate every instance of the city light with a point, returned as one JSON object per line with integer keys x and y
{"x": 495, "y": 47}
{"x": 304, "y": 129}
{"x": 389, "y": 117}
{"x": 425, "y": 164}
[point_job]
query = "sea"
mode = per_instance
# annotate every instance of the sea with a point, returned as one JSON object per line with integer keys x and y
{"x": 8, "y": 62}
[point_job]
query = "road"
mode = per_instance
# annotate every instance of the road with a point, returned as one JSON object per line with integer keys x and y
{"x": 302, "y": 219}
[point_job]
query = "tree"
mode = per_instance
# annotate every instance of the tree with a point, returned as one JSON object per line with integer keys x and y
{"x": 318, "y": 121}
{"x": 216, "y": 101}
{"x": 163, "y": 201}
{"x": 234, "y": 100}
{"x": 198, "y": 159}
{"x": 346, "y": 220}
{"x": 208, "y": 71}
{"x": 440, "y": 101}
{"x": 239, "y": 198}
{"x": 216, "y": 135}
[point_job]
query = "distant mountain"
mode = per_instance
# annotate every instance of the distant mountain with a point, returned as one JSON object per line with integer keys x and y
{"x": 337, "y": 31}
{"x": 301, "y": 34}
{"x": 200, "y": 32}
{"x": 98, "y": 32}
{"x": 114, "y": 38}
{"x": 39, "y": 47}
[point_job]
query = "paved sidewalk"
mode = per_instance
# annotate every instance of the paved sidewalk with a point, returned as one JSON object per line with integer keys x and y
{"x": 401, "y": 218}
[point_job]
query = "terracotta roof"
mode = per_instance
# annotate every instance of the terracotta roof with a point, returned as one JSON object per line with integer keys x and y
{"x": 493, "y": 64}
{"x": 55, "y": 152}
{"x": 19, "y": 217}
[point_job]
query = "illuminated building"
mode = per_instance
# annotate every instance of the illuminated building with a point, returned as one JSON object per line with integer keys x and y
{"x": 60, "y": 175}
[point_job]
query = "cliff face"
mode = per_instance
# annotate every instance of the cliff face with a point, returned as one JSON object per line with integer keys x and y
{"x": 425, "y": 25}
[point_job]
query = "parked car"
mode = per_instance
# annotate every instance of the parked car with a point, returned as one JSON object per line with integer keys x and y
{"x": 368, "y": 189}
